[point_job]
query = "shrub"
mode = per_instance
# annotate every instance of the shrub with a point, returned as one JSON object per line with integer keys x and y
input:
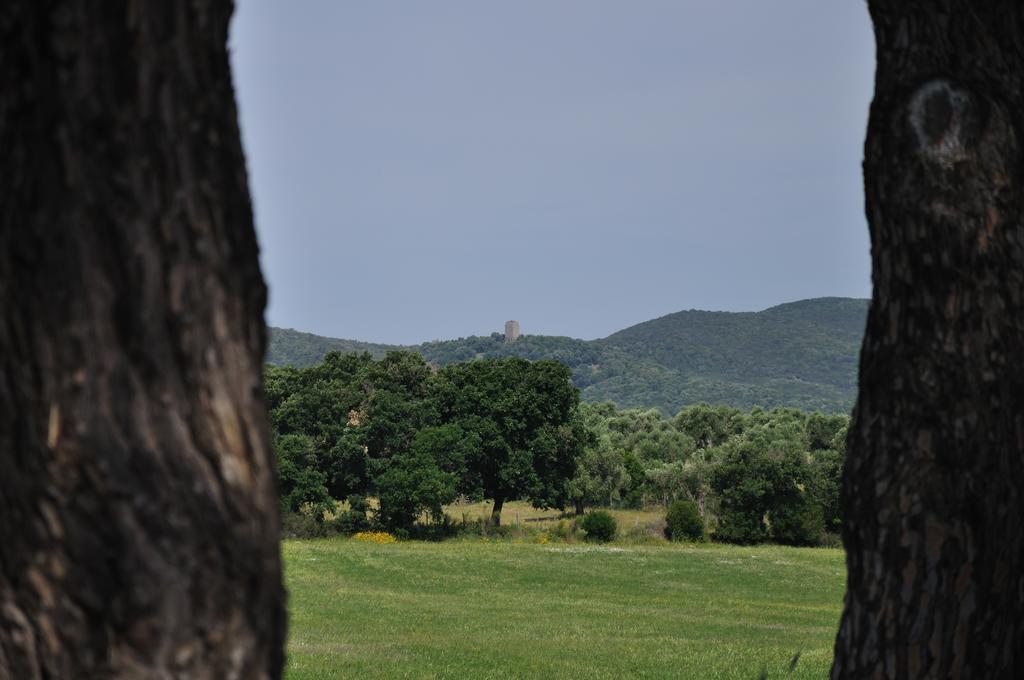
{"x": 599, "y": 526}
{"x": 474, "y": 528}
{"x": 301, "y": 525}
{"x": 563, "y": 530}
{"x": 683, "y": 522}
{"x": 438, "y": 530}
{"x": 352, "y": 522}
{"x": 500, "y": 531}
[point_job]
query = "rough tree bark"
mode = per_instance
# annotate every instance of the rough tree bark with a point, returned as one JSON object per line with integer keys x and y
{"x": 933, "y": 492}
{"x": 138, "y": 514}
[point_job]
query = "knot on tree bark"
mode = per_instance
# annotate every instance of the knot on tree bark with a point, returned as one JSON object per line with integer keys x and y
{"x": 965, "y": 179}
{"x": 945, "y": 120}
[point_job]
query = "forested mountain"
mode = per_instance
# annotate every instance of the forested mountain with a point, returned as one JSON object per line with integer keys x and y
{"x": 801, "y": 354}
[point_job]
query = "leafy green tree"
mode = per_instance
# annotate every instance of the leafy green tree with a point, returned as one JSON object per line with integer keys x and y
{"x": 449, "y": 446}
{"x": 826, "y": 481}
{"x": 352, "y": 413}
{"x": 601, "y": 473}
{"x": 744, "y": 483}
{"x": 696, "y": 481}
{"x": 346, "y": 464}
{"x": 822, "y": 429}
{"x": 795, "y": 514}
{"x": 389, "y": 425}
{"x": 600, "y": 477}
{"x": 632, "y": 493}
{"x": 709, "y": 425}
{"x": 426, "y": 478}
{"x": 301, "y": 484}
{"x": 317, "y": 401}
{"x": 401, "y": 372}
{"x": 665, "y": 481}
{"x": 317, "y": 404}
{"x": 796, "y": 519}
{"x": 279, "y": 382}
{"x": 525, "y": 417}
{"x": 412, "y": 483}
{"x": 763, "y": 492}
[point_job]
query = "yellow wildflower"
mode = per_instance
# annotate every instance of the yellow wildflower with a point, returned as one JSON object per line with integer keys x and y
{"x": 374, "y": 537}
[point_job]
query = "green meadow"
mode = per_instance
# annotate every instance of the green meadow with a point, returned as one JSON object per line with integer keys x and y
{"x": 508, "y": 609}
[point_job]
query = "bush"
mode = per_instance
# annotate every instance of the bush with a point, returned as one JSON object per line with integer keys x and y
{"x": 563, "y": 530}
{"x": 473, "y": 528}
{"x": 500, "y": 531}
{"x": 683, "y": 522}
{"x": 599, "y": 526}
{"x": 436, "y": 531}
{"x": 351, "y": 522}
{"x": 300, "y": 525}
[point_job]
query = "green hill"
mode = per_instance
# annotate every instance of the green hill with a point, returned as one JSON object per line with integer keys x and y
{"x": 801, "y": 354}
{"x": 289, "y": 347}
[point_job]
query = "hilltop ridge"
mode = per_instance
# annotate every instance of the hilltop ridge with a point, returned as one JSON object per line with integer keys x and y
{"x": 799, "y": 354}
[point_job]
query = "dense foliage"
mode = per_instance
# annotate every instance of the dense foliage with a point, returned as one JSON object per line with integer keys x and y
{"x": 751, "y": 476}
{"x": 801, "y": 355}
{"x": 416, "y": 438}
{"x": 683, "y": 521}
{"x": 599, "y": 526}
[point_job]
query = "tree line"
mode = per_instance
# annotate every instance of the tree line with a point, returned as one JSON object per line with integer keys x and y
{"x": 417, "y": 438}
{"x": 754, "y": 476}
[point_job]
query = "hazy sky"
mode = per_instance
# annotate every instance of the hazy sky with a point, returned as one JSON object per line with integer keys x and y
{"x": 427, "y": 170}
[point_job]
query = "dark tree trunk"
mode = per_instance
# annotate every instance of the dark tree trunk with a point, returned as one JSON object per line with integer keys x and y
{"x": 578, "y": 504}
{"x": 499, "y": 502}
{"x": 933, "y": 491}
{"x": 138, "y": 514}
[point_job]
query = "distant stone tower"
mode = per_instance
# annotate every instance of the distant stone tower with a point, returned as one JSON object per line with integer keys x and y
{"x": 511, "y": 331}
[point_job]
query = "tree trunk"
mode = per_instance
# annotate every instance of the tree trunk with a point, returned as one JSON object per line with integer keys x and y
{"x": 933, "y": 491}
{"x": 578, "y": 505}
{"x": 499, "y": 501}
{"x": 138, "y": 513}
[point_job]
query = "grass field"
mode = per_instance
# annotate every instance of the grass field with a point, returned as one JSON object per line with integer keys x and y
{"x": 481, "y": 609}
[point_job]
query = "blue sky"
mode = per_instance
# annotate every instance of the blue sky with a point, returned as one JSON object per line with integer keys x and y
{"x": 428, "y": 170}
